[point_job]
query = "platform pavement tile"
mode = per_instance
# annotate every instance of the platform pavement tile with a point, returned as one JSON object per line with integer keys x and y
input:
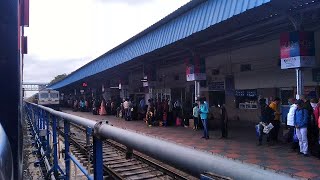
{"x": 242, "y": 158}
{"x": 222, "y": 153}
{"x": 290, "y": 170}
{"x": 302, "y": 168}
{"x": 251, "y": 156}
{"x": 276, "y": 167}
{"x": 314, "y": 162}
{"x": 252, "y": 161}
{"x": 306, "y": 174}
{"x": 233, "y": 156}
{"x": 298, "y": 162}
{"x": 216, "y": 151}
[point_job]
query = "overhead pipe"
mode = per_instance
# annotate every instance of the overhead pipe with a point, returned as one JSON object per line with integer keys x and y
{"x": 190, "y": 160}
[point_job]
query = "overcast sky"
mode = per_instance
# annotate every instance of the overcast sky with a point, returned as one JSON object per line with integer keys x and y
{"x": 66, "y": 34}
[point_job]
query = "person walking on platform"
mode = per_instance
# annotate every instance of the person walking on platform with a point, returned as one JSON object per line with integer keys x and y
{"x": 301, "y": 124}
{"x": 126, "y": 108}
{"x": 316, "y": 114}
{"x": 75, "y": 105}
{"x": 103, "y": 111}
{"x": 266, "y": 116}
{"x": 150, "y": 113}
{"x": 195, "y": 116}
{"x": 224, "y": 122}
{"x": 96, "y": 106}
{"x": 204, "y": 111}
{"x": 276, "y": 121}
{"x": 290, "y": 122}
{"x": 141, "y": 111}
{"x": 312, "y": 134}
{"x": 165, "y": 112}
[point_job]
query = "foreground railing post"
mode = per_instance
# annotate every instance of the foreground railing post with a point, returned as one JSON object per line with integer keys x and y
{"x": 88, "y": 135}
{"x": 48, "y": 132}
{"x": 66, "y": 148}
{"x": 41, "y": 119}
{"x": 36, "y": 121}
{"x": 97, "y": 158}
{"x": 55, "y": 148}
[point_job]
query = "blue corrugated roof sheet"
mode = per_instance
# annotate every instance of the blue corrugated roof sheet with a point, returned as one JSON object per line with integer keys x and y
{"x": 195, "y": 16}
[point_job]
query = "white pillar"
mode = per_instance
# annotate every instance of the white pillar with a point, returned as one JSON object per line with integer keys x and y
{"x": 196, "y": 90}
{"x": 300, "y": 86}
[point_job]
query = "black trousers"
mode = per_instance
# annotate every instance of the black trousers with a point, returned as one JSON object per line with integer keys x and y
{"x": 263, "y": 134}
{"x": 275, "y": 130}
{"x": 224, "y": 129}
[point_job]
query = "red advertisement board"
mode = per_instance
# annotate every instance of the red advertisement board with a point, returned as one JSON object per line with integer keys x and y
{"x": 297, "y": 49}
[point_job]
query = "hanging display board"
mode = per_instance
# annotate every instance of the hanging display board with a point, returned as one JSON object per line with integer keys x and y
{"x": 297, "y": 49}
{"x": 195, "y": 69}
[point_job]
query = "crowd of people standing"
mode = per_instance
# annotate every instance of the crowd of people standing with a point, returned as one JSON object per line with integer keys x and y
{"x": 302, "y": 120}
{"x": 155, "y": 112}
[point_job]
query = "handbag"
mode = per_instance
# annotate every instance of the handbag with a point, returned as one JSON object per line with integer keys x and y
{"x": 268, "y": 128}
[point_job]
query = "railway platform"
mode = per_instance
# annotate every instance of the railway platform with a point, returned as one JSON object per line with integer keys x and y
{"x": 240, "y": 146}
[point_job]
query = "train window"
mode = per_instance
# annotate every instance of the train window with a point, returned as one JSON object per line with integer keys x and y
{"x": 54, "y": 95}
{"x": 44, "y": 95}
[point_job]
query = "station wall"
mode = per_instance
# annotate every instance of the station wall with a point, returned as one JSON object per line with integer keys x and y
{"x": 265, "y": 76}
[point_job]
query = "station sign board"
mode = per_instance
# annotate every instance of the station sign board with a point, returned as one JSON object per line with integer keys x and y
{"x": 297, "y": 49}
{"x": 216, "y": 86}
{"x": 316, "y": 75}
{"x": 195, "y": 69}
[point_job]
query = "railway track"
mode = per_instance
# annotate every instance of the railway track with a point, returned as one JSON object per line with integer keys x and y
{"x": 119, "y": 163}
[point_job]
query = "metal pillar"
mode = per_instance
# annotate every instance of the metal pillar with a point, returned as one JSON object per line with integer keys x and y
{"x": 10, "y": 76}
{"x": 300, "y": 85}
{"x": 196, "y": 90}
{"x": 97, "y": 160}
{"x": 66, "y": 149}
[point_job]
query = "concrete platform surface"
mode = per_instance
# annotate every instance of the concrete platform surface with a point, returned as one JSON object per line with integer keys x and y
{"x": 241, "y": 145}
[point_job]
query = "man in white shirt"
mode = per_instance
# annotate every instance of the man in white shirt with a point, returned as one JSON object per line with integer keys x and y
{"x": 126, "y": 106}
{"x": 290, "y": 120}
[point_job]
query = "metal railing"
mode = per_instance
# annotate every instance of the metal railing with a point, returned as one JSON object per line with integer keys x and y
{"x": 183, "y": 158}
{"x": 6, "y": 162}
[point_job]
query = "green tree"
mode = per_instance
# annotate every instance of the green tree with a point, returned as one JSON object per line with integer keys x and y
{"x": 58, "y": 78}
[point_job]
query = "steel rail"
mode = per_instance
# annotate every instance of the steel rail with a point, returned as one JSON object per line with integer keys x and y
{"x": 140, "y": 158}
{"x": 187, "y": 159}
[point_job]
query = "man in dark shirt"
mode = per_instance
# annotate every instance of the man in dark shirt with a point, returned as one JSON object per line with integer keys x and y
{"x": 267, "y": 115}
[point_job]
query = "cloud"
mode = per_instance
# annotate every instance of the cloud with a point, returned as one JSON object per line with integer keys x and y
{"x": 66, "y": 34}
{"x": 37, "y": 70}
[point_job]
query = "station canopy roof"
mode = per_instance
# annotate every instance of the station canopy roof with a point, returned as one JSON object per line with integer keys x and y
{"x": 200, "y": 25}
